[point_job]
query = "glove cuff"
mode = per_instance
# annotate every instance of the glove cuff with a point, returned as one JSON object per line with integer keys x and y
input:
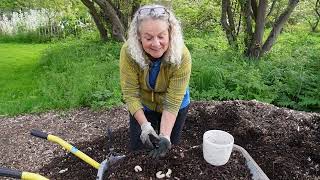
{"x": 145, "y": 125}
{"x": 167, "y": 137}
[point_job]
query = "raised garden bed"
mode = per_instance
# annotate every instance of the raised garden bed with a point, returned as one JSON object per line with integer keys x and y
{"x": 284, "y": 143}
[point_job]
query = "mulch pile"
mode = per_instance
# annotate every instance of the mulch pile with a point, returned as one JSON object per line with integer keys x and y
{"x": 285, "y": 143}
{"x": 184, "y": 164}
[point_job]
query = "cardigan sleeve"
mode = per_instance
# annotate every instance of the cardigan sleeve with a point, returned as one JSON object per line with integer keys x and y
{"x": 178, "y": 84}
{"x": 129, "y": 81}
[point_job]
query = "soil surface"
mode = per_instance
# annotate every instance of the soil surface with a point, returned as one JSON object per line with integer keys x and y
{"x": 285, "y": 143}
{"x": 184, "y": 163}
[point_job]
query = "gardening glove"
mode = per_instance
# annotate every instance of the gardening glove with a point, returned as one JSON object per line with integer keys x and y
{"x": 163, "y": 146}
{"x": 147, "y": 131}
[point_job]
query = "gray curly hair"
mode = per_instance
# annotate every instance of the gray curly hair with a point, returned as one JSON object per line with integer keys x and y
{"x": 176, "y": 44}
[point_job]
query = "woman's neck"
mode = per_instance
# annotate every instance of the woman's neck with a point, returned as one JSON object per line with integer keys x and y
{"x": 154, "y": 59}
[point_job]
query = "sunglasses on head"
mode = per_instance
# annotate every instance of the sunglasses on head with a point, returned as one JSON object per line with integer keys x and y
{"x": 153, "y": 11}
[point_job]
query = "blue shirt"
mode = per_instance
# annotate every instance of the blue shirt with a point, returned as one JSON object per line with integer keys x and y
{"x": 153, "y": 74}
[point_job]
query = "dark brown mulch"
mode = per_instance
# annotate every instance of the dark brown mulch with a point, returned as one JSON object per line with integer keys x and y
{"x": 184, "y": 164}
{"x": 285, "y": 143}
{"x": 184, "y": 161}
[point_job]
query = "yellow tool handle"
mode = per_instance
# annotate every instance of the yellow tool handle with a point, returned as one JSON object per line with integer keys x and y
{"x": 74, "y": 150}
{"x": 32, "y": 176}
{"x": 67, "y": 146}
{"x": 6, "y": 172}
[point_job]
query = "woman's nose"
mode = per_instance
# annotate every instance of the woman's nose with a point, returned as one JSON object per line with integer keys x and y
{"x": 155, "y": 42}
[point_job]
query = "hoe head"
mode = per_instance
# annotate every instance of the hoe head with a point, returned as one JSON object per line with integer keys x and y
{"x": 112, "y": 156}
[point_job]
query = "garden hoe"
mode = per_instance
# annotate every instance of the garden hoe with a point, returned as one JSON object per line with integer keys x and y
{"x": 111, "y": 158}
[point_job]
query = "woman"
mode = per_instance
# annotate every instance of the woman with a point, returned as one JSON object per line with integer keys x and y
{"x": 155, "y": 69}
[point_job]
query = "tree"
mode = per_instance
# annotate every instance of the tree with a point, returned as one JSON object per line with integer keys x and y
{"x": 310, "y": 11}
{"x": 113, "y": 16}
{"x": 251, "y": 14}
{"x": 316, "y": 14}
{"x": 107, "y": 16}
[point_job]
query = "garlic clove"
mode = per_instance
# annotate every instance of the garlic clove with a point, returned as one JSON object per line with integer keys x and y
{"x": 159, "y": 175}
{"x": 137, "y": 168}
{"x": 168, "y": 174}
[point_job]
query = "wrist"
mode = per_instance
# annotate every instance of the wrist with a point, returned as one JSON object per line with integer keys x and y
{"x": 165, "y": 136}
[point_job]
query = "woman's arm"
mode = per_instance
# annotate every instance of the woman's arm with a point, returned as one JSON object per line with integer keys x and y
{"x": 167, "y": 122}
{"x": 140, "y": 117}
{"x": 178, "y": 84}
{"x": 129, "y": 81}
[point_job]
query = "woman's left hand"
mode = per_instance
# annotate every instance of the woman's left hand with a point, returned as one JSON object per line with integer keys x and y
{"x": 164, "y": 145}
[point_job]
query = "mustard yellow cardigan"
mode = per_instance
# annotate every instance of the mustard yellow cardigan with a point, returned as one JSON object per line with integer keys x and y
{"x": 170, "y": 86}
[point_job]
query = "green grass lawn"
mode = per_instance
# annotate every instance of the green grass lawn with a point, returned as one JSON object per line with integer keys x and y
{"x": 18, "y": 77}
{"x": 64, "y": 75}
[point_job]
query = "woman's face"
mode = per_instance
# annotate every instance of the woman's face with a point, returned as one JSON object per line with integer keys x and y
{"x": 154, "y": 36}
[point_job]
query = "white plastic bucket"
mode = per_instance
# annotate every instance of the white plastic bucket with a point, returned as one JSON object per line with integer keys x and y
{"x": 217, "y": 147}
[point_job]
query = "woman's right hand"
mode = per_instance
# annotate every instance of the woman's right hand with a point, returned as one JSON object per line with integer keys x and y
{"x": 147, "y": 131}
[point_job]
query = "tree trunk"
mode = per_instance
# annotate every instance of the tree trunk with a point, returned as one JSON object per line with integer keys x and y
{"x": 97, "y": 19}
{"x": 278, "y": 25}
{"x": 256, "y": 45}
{"x": 248, "y": 38}
{"x": 317, "y": 11}
{"x": 118, "y": 30}
{"x": 117, "y": 7}
{"x": 227, "y": 23}
{"x": 255, "y": 10}
{"x": 315, "y": 25}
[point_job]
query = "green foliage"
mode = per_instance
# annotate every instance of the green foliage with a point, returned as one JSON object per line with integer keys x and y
{"x": 60, "y": 5}
{"x": 84, "y": 72}
{"x": 13, "y": 5}
{"x": 289, "y": 76}
{"x": 52, "y": 20}
{"x": 24, "y": 37}
{"x": 212, "y": 41}
{"x": 80, "y": 73}
{"x": 306, "y": 13}
{"x": 102, "y": 98}
{"x": 229, "y": 76}
{"x": 297, "y": 75}
{"x": 201, "y": 16}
